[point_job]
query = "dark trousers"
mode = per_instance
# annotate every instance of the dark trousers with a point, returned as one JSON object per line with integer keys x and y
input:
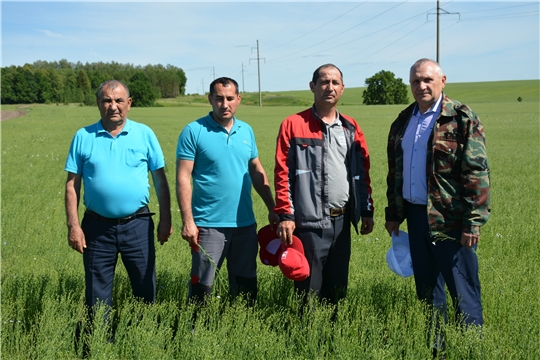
{"x": 444, "y": 262}
{"x": 328, "y": 252}
{"x": 239, "y": 246}
{"x": 104, "y": 241}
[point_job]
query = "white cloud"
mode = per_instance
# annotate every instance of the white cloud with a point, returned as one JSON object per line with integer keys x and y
{"x": 55, "y": 35}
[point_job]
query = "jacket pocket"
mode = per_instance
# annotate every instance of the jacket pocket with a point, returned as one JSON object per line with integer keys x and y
{"x": 308, "y": 183}
{"x": 446, "y": 156}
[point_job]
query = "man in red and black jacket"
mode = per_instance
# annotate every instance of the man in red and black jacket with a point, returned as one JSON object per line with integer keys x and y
{"x": 322, "y": 185}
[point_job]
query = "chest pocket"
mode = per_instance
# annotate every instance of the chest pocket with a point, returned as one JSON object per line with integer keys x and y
{"x": 135, "y": 157}
{"x": 447, "y": 152}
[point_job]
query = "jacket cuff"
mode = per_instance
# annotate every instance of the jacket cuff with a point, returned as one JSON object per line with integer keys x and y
{"x": 366, "y": 214}
{"x": 471, "y": 229}
{"x": 390, "y": 215}
{"x": 286, "y": 217}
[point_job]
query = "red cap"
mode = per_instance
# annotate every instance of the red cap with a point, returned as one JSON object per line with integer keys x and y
{"x": 293, "y": 262}
{"x": 269, "y": 244}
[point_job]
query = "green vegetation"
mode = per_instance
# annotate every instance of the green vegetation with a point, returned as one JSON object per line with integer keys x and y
{"x": 63, "y": 82}
{"x": 469, "y": 93}
{"x": 384, "y": 89}
{"x": 43, "y": 279}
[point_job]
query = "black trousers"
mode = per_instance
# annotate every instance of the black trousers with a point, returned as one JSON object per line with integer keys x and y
{"x": 104, "y": 241}
{"x": 444, "y": 262}
{"x": 328, "y": 252}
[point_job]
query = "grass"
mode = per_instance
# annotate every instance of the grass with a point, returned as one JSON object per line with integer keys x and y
{"x": 469, "y": 93}
{"x": 43, "y": 280}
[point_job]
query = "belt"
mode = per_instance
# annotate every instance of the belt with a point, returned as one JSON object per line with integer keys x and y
{"x": 338, "y": 211}
{"x": 123, "y": 220}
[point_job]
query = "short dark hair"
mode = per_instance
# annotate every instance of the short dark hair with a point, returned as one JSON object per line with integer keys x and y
{"x": 317, "y": 73}
{"x": 223, "y": 81}
{"x": 111, "y": 84}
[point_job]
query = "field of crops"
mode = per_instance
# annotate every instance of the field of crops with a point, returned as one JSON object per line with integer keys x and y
{"x": 42, "y": 279}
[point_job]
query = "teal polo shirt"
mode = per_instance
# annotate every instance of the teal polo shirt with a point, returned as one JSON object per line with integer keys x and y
{"x": 114, "y": 170}
{"x": 221, "y": 179}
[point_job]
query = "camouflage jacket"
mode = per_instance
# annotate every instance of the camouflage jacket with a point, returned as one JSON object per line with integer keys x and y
{"x": 457, "y": 170}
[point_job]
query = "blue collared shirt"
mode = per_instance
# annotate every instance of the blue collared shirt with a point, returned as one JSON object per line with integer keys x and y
{"x": 414, "y": 145}
{"x": 114, "y": 169}
{"x": 221, "y": 180}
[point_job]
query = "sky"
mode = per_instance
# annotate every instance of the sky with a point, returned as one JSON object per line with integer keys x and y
{"x": 287, "y": 41}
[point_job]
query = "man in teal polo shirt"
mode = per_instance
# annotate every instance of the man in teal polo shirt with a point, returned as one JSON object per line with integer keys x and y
{"x": 220, "y": 153}
{"x": 112, "y": 158}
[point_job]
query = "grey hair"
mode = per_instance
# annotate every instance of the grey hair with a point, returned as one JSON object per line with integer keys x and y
{"x": 112, "y": 84}
{"x": 421, "y": 62}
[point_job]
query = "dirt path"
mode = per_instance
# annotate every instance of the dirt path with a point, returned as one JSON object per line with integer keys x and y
{"x": 12, "y": 114}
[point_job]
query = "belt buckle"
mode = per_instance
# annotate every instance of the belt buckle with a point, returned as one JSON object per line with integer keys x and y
{"x": 337, "y": 211}
{"x": 125, "y": 220}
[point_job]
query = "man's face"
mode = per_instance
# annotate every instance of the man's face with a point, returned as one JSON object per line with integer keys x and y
{"x": 426, "y": 85}
{"x": 224, "y": 102}
{"x": 114, "y": 105}
{"x": 329, "y": 86}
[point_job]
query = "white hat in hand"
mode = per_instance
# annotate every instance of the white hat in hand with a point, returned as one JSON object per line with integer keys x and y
{"x": 399, "y": 256}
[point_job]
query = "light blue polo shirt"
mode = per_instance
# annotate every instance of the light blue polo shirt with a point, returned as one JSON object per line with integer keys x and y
{"x": 221, "y": 180}
{"x": 114, "y": 170}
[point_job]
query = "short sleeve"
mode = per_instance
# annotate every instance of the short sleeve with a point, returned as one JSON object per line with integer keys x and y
{"x": 156, "y": 159}
{"x": 74, "y": 159}
{"x": 186, "y": 148}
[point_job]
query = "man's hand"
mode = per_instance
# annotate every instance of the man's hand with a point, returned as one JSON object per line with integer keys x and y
{"x": 392, "y": 227}
{"x": 285, "y": 231}
{"x": 273, "y": 219}
{"x": 164, "y": 231}
{"x": 367, "y": 225}
{"x": 469, "y": 240}
{"x": 76, "y": 239}
{"x": 190, "y": 233}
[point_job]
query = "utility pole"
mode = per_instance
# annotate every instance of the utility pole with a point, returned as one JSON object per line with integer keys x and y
{"x": 214, "y": 72}
{"x": 243, "y": 88}
{"x": 202, "y": 80}
{"x": 439, "y": 26}
{"x": 259, "y": 72}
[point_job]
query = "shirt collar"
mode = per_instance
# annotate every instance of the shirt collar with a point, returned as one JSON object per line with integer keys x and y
{"x": 435, "y": 108}
{"x": 337, "y": 120}
{"x": 213, "y": 123}
{"x": 125, "y": 129}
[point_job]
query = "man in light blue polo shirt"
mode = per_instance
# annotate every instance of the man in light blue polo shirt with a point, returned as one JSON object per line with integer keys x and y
{"x": 112, "y": 158}
{"x": 220, "y": 153}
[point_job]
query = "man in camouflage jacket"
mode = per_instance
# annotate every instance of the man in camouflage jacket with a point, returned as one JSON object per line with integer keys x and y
{"x": 444, "y": 215}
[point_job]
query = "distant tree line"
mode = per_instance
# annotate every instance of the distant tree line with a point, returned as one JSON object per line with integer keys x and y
{"x": 65, "y": 82}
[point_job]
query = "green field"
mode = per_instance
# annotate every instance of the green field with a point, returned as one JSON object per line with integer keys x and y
{"x": 42, "y": 279}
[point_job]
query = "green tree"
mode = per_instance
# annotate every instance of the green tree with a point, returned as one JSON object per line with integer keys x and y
{"x": 383, "y": 89}
{"x": 9, "y": 95}
{"x": 83, "y": 82}
{"x": 25, "y": 85}
{"x": 141, "y": 90}
{"x": 183, "y": 81}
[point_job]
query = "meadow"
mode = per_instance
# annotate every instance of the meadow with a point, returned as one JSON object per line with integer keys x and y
{"x": 42, "y": 279}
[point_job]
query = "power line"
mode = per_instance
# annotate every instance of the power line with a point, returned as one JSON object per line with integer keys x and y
{"x": 503, "y": 16}
{"x": 501, "y": 8}
{"x": 341, "y": 33}
{"x": 296, "y": 24}
{"x": 373, "y": 33}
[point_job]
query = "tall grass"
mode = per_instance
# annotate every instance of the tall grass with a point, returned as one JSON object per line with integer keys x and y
{"x": 43, "y": 279}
